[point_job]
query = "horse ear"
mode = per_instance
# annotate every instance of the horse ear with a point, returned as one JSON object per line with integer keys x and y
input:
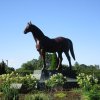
{"x": 30, "y": 23}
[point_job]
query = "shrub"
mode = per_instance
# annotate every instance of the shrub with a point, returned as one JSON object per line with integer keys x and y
{"x": 9, "y": 93}
{"x": 28, "y": 82}
{"x": 55, "y": 81}
{"x": 86, "y": 81}
{"x": 94, "y": 93}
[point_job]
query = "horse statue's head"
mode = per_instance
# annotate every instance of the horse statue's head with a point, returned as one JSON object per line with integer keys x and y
{"x": 37, "y": 33}
{"x": 28, "y": 28}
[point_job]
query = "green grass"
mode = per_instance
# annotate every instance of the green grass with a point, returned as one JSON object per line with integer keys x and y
{"x": 38, "y": 96}
{"x": 60, "y": 94}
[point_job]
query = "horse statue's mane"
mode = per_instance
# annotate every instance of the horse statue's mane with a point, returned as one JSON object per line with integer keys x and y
{"x": 37, "y": 31}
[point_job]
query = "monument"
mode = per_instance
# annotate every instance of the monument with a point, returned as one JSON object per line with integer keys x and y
{"x": 52, "y": 45}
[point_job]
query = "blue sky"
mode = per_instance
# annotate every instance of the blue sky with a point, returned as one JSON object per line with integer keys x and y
{"x": 78, "y": 20}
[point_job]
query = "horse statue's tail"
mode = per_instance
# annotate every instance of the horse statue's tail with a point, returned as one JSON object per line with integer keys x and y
{"x": 72, "y": 50}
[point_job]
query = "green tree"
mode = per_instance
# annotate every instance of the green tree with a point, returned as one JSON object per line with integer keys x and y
{"x": 53, "y": 62}
{"x": 39, "y": 63}
{"x": 76, "y": 66}
{"x": 9, "y": 69}
{"x": 30, "y": 65}
{"x": 2, "y": 67}
{"x": 48, "y": 58}
{"x": 83, "y": 66}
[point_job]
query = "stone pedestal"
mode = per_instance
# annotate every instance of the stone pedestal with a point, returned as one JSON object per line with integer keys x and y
{"x": 46, "y": 74}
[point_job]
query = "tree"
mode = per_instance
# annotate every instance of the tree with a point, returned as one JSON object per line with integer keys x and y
{"x": 30, "y": 65}
{"x": 97, "y": 66}
{"x": 76, "y": 66}
{"x": 9, "y": 69}
{"x": 48, "y": 58}
{"x": 2, "y": 67}
{"x": 36, "y": 64}
{"x": 83, "y": 66}
{"x": 53, "y": 62}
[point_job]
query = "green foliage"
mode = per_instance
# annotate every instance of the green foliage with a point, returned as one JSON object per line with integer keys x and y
{"x": 60, "y": 95}
{"x": 36, "y": 64}
{"x": 10, "y": 78}
{"x": 38, "y": 96}
{"x": 77, "y": 67}
{"x": 2, "y": 68}
{"x": 77, "y": 90}
{"x": 94, "y": 93}
{"x": 48, "y": 58}
{"x": 9, "y": 69}
{"x": 87, "y": 69}
{"x": 89, "y": 84}
{"x": 86, "y": 81}
{"x": 28, "y": 82}
{"x": 30, "y": 65}
{"x": 9, "y": 93}
{"x": 53, "y": 62}
{"x": 56, "y": 80}
{"x": 97, "y": 74}
{"x": 23, "y": 72}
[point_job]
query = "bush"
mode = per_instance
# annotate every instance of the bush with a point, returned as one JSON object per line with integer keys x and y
{"x": 28, "y": 82}
{"x": 94, "y": 93}
{"x": 86, "y": 81}
{"x": 9, "y": 93}
{"x": 55, "y": 81}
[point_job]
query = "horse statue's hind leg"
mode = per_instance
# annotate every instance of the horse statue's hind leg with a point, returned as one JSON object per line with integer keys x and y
{"x": 69, "y": 60}
{"x": 59, "y": 61}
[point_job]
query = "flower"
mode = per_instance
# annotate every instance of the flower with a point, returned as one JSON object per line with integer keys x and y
{"x": 96, "y": 80}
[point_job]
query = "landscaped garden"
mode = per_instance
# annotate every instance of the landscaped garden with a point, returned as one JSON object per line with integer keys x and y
{"x": 21, "y": 84}
{"x": 17, "y": 87}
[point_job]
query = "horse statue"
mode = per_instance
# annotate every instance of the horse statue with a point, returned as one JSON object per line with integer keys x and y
{"x": 45, "y": 44}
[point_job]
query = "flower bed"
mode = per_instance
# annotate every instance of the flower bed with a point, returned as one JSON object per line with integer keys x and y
{"x": 89, "y": 89}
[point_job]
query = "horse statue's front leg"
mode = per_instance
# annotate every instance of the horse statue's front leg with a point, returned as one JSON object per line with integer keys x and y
{"x": 42, "y": 54}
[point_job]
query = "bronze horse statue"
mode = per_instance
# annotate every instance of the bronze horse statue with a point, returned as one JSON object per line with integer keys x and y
{"x": 45, "y": 44}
